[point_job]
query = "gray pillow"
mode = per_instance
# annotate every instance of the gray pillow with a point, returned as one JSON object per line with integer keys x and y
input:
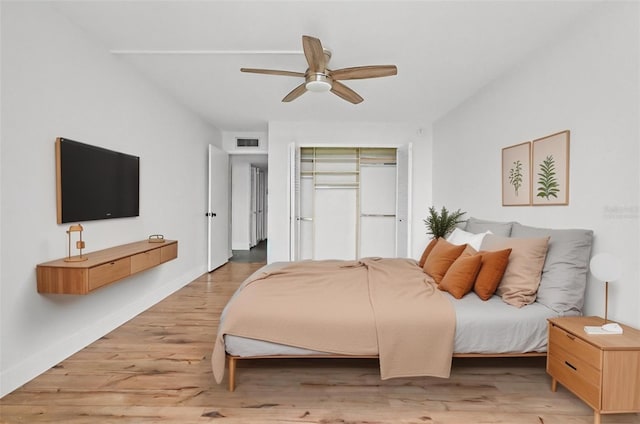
{"x": 475, "y": 225}
{"x": 564, "y": 275}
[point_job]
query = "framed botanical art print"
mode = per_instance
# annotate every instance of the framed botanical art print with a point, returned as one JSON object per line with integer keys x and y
{"x": 516, "y": 175}
{"x": 550, "y": 169}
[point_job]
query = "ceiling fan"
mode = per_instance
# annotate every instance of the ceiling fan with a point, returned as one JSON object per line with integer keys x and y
{"x": 319, "y": 78}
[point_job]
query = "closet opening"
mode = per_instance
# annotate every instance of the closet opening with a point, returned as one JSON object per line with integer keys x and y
{"x": 349, "y": 202}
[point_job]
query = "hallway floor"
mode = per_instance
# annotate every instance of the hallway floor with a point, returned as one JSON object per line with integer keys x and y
{"x": 254, "y": 255}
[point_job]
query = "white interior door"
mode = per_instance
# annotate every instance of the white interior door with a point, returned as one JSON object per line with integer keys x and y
{"x": 218, "y": 209}
{"x": 403, "y": 203}
{"x": 261, "y": 205}
{"x": 253, "y": 219}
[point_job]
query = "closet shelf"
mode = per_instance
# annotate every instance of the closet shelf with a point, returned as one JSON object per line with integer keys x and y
{"x": 336, "y": 185}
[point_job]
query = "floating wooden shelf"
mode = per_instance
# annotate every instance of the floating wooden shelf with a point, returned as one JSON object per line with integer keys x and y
{"x": 103, "y": 267}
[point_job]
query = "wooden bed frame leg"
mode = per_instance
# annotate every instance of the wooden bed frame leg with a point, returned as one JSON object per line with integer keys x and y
{"x": 232, "y": 373}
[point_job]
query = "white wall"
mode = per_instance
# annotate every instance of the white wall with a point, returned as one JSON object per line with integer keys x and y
{"x": 587, "y": 82}
{"x": 282, "y": 134}
{"x": 57, "y": 82}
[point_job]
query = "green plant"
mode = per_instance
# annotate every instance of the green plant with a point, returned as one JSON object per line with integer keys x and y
{"x": 441, "y": 224}
{"x": 547, "y": 183}
{"x": 515, "y": 175}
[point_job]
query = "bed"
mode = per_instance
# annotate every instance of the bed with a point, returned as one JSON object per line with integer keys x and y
{"x": 507, "y": 323}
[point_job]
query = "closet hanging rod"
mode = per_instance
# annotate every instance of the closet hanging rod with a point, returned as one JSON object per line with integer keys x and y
{"x": 377, "y": 164}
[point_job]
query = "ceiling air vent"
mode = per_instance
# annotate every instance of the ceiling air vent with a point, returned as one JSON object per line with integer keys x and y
{"x": 247, "y": 142}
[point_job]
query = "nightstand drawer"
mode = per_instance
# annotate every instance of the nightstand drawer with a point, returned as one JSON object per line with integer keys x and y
{"x": 575, "y": 375}
{"x": 578, "y": 347}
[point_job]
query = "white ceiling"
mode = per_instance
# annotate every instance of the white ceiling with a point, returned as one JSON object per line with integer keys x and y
{"x": 444, "y": 50}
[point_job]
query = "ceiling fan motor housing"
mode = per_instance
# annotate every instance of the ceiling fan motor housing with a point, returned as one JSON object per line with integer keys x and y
{"x": 317, "y": 82}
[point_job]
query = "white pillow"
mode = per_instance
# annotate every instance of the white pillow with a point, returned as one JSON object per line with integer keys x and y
{"x": 459, "y": 237}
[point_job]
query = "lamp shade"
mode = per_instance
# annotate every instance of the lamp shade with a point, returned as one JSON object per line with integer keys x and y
{"x": 606, "y": 267}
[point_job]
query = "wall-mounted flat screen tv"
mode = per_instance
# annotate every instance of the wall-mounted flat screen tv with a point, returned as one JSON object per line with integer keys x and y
{"x": 95, "y": 183}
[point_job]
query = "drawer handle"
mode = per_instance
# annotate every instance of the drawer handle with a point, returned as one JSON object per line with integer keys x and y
{"x": 571, "y": 337}
{"x": 570, "y": 366}
{"x": 112, "y": 263}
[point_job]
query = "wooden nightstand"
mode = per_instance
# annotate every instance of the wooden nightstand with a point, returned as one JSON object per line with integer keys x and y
{"x": 602, "y": 370}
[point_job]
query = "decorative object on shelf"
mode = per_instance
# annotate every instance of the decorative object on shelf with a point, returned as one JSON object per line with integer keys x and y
{"x": 516, "y": 175}
{"x": 440, "y": 225}
{"x": 550, "y": 164}
{"x": 156, "y": 238}
{"x": 79, "y": 244}
{"x": 611, "y": 328}
{"x": 606, "y": 267}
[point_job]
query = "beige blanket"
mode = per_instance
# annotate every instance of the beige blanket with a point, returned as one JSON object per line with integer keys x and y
{"x": 374, "y": 306}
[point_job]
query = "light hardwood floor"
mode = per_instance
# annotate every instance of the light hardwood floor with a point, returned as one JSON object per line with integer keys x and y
{"x": 156, "y": 369}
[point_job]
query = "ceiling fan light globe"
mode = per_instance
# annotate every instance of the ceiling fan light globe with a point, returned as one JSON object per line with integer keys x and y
{"x": 318, "y": 86}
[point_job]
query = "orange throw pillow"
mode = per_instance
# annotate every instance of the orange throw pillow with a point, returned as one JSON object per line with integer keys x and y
{"x": 441, "y": 258}
{"x": 426, "y": 252}
{"x": 493, "y": 265}
{"x": 460, "y": 277}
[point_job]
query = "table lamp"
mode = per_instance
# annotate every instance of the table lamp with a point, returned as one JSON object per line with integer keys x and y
{"x": 606, "y": 267}
{"x": 79, "y": 244}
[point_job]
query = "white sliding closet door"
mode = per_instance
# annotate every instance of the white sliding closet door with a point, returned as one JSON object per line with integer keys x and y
{"x": 378, "y": 210}
{"x": 334, "y": 201}
{"x": 335, "y": 222}
{"x": 305, "y": 220}
{"x": 404, "y": 166}
{"x": 294, "y": 202}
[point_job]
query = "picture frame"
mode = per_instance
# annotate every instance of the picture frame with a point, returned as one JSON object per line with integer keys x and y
{"x": 516, "y": 175}
{"x": 550, "y": 169}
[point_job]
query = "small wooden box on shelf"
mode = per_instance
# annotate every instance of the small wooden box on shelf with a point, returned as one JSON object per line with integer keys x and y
{"x": 601, "y": 369}
{"x": 103, "y": 267}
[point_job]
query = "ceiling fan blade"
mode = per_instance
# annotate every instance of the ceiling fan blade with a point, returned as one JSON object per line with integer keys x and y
{"x": 314, "y": 53}
{"x": 361, "y": 72}
{"x": 273, "y": 72}
{"x": 345, "y": 93}
{"x": 295, "y": 93}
